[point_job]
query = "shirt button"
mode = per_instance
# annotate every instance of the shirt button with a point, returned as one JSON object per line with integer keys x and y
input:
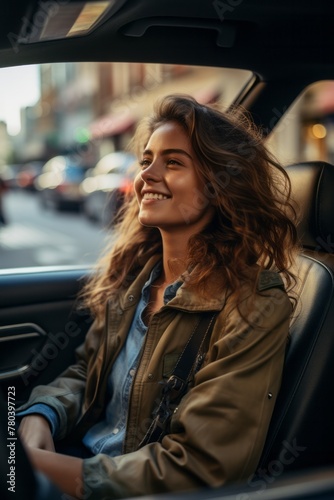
{"x": 131, "y": 298}
{"x": 115, "y": 431}
{"x": 132, "y": 372}
{"x": 150, "y": 376}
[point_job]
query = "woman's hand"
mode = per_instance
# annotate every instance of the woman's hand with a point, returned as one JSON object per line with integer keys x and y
{"x": 64, "y": 471}
{"x": 35, "y": 432}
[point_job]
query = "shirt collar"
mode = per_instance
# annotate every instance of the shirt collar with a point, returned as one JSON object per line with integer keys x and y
{"x": 170, "y": 290}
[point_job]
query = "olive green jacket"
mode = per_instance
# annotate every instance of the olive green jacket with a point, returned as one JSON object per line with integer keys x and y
{"x": 218, "y": 430}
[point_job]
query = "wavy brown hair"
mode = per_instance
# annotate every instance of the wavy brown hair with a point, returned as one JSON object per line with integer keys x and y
{"x": 254, "y": 221}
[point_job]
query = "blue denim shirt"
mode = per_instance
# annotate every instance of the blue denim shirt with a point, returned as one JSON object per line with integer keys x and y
{"x": 107, "y": 436}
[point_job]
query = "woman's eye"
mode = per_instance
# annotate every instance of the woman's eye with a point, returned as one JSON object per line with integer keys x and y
{"x": 172, "y": 162}
{"x": 144, "y": 163}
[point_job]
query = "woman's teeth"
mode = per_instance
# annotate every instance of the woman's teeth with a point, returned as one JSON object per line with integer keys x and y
{"x": 154, "y": 196}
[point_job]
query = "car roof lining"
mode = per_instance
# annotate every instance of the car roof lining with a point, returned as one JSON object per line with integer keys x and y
{"x": 166, "y": 33}
{"x": 266, "y": 38}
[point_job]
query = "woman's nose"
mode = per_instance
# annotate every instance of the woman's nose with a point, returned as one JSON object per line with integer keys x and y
{"x": 152, "y": 173}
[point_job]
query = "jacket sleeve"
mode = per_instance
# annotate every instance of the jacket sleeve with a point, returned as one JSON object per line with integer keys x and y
{"x": 65, "y": 394}
{"x": 219, "y": 429}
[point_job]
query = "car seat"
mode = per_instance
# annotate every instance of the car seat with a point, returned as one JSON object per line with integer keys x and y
{"x": 301, "y": 433}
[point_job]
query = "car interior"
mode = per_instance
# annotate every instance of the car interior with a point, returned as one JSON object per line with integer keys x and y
{"x": 287, "y": 45}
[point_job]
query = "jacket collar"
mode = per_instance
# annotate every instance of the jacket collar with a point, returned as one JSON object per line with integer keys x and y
{"x": 187, "y": 298}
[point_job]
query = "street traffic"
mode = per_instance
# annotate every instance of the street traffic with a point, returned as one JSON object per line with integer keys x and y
{"x": 36, "y": 236}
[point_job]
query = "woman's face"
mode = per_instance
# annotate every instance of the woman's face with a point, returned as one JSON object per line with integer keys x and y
{"x": 169, "y": 189}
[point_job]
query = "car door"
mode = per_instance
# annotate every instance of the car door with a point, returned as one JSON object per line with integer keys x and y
{"x": 40, "y": 325}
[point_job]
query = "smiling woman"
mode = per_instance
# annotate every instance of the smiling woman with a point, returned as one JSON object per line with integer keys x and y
{"x": 197, "y": 319}
{"x": 107, "y": 397}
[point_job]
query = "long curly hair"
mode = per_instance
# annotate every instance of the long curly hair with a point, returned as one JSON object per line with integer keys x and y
{"x": 254, "y": 221}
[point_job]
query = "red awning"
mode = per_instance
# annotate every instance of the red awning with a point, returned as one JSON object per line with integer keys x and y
{"x": 112, "y": 124}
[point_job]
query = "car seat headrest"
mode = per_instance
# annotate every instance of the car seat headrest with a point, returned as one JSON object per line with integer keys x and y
{"x": 312, "y": 185}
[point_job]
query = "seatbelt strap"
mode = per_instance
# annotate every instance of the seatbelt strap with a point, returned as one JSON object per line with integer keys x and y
{"x": 176, "y": 386}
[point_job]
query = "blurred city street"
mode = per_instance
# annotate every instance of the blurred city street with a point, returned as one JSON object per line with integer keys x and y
{"x": 35, "y": 236}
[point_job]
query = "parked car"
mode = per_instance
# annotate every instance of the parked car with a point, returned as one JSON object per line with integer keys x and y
{"x": 59, "y": 183}
{"x": 105, "y": 186}
{"x": 27, "y": 175}
{"x": 286, "y": 45}
{"x": 9, "y": 173}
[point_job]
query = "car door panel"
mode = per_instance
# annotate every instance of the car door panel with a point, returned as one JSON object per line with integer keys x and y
{"x": 40, "y": 326}
{"x": 17, "y": 345}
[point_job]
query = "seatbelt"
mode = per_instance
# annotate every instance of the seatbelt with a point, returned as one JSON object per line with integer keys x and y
{"x": 176, "y": 386}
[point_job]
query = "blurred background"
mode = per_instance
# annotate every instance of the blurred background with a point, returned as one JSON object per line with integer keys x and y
{"x": 64, "y": 164}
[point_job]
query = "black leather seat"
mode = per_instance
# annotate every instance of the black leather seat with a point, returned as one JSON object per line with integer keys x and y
{"x": 301, "y": 433}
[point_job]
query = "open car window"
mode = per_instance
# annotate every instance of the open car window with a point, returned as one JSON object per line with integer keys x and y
{"x": 63, "y": 162}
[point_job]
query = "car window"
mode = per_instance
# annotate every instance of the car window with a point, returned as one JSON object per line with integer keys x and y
{"x": 64, "y": 167}
{"x": 305, "y": 132}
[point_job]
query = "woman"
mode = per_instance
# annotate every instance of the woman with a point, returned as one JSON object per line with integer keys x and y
{"x": 209, "y": 229}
